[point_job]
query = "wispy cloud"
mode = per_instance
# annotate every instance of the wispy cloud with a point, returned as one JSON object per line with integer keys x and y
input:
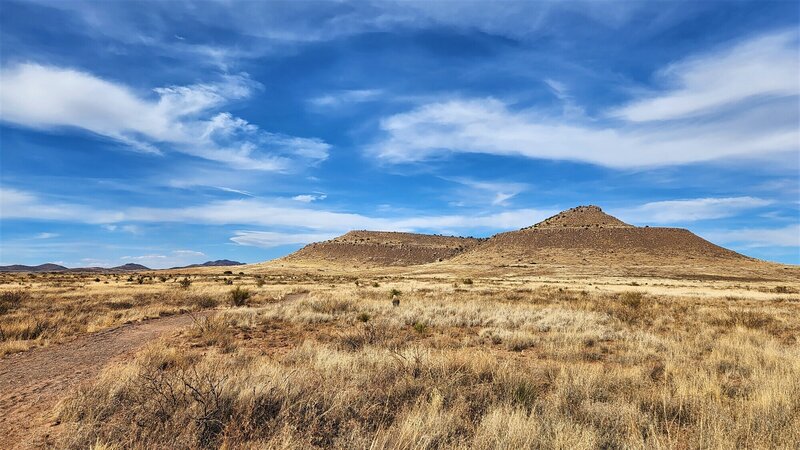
{"x": 643, "y": 139}
{"x": 254, "y": 211}
{"x": 690, "y": 210}
{"x": 46, "y": 235}
{"x": 308, "y": 198}
{"x": 270, "y": 239}
{"x": 170, "y": 259}
{"x": 345, "y": 97}
{"x": 182, "y": 118}
{"x": 763, "y": 66}
{"x": 788, "y": 236}
{"x": 496, "y": 193}
{"x": 235, "y": 191}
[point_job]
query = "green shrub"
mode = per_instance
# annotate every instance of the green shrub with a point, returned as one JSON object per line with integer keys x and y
{"x": 420, "y": 327}
{"x": 239, "y": 296}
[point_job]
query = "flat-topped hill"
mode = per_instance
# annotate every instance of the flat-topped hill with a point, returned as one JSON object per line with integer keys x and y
{"x": 587, "y": 235}
{"x": 383, "y": 248}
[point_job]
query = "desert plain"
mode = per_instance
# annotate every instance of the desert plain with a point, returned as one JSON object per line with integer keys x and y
{"x": 579, "y": 332}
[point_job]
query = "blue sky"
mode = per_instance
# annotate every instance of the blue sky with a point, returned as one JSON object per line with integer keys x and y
{"x": 178, "y": 132}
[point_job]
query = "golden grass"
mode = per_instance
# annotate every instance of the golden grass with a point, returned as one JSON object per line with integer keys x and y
{"x": 496, "y": 365}
{"x": 37, "y": 310}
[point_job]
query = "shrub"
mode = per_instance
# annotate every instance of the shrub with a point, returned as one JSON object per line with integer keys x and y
{"x": 239, "y": 296}
{"x": 394, "y": 292}
{"x": 260, "y": 282}
{"x": 11, "y": 299}
{"x": 420, "y": 327}
{"x": 227, "y": 272}
{"x": 204, "y": 301}
{"x": 467, "y": 281}
{"x": 185, "y": 283}
{"x": 375, "y": 284}
{"x": 631, "y": 299}
{"x": 363, "y": 317}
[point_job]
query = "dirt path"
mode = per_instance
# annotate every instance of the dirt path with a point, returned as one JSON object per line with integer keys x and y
{"x": 31, "y": 383}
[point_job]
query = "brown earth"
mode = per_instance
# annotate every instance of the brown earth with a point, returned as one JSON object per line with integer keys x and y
{"x": 381, "y": 248}
{"x": 622, "y": 245}
{"x": 31, "y": 383}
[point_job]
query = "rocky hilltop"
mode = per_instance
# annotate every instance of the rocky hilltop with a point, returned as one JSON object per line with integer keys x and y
{"x": 383, "y": 248}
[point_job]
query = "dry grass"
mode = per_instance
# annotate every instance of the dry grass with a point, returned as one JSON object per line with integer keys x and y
{"x": 37, "y": 310}
{"x": 491, "y": 366}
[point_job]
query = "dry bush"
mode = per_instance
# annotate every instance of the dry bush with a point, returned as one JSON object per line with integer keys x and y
{"x": 10, "y": 300}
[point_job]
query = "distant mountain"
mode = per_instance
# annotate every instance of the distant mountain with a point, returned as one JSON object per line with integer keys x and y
{"x": 217, "y": 263}
{"x": 130, "y": 267}
{"x": 40, "y": 268}
{"x": 57, "y": 268}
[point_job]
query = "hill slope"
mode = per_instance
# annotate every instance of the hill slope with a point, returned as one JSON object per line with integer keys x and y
{"x": 587, "y": 235}
{"x": 382, "y": 248}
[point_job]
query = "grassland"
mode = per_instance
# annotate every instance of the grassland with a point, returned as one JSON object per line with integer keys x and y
{"x": 460, "y": 363}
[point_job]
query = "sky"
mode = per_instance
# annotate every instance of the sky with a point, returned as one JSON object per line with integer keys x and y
{"x": 172, "y": 133}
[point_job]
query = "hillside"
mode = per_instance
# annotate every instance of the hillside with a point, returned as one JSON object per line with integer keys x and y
{"x": 48, "y": 267}
{"x": 382, "y": 248}
{"x": 587, "y": 235}
{"x": 130, "y": 267}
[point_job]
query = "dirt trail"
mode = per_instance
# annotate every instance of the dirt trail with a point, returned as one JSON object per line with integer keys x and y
{"x": 31, "y": 383}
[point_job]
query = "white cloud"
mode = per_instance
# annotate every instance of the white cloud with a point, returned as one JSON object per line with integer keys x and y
{"x": 46, "y": 235}
{"x": 690, "y": 210}
{"x": 489, "y": 126}
{"x": 172, "y": 259}
{"x": 788, "y": 236}
{"x": 308, "y": 198}
{"x": 757, "y": 130}
{"x": 253, "y": 211}
{"x": 188, "y": 253}
{"x": 491, "y": 192}
{"x": 269, "y": 239}
{"x": 343, "y": 97}
{"x": 235, "y": 191}
{"x": 764, "y": 66}
{"x": 181, "y": 118}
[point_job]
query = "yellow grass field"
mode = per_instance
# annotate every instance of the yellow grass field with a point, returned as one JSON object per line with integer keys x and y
{"x": 326, "y": 361}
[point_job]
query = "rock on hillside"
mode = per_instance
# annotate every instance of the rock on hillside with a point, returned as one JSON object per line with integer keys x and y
{"x": 383, "y": 248}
